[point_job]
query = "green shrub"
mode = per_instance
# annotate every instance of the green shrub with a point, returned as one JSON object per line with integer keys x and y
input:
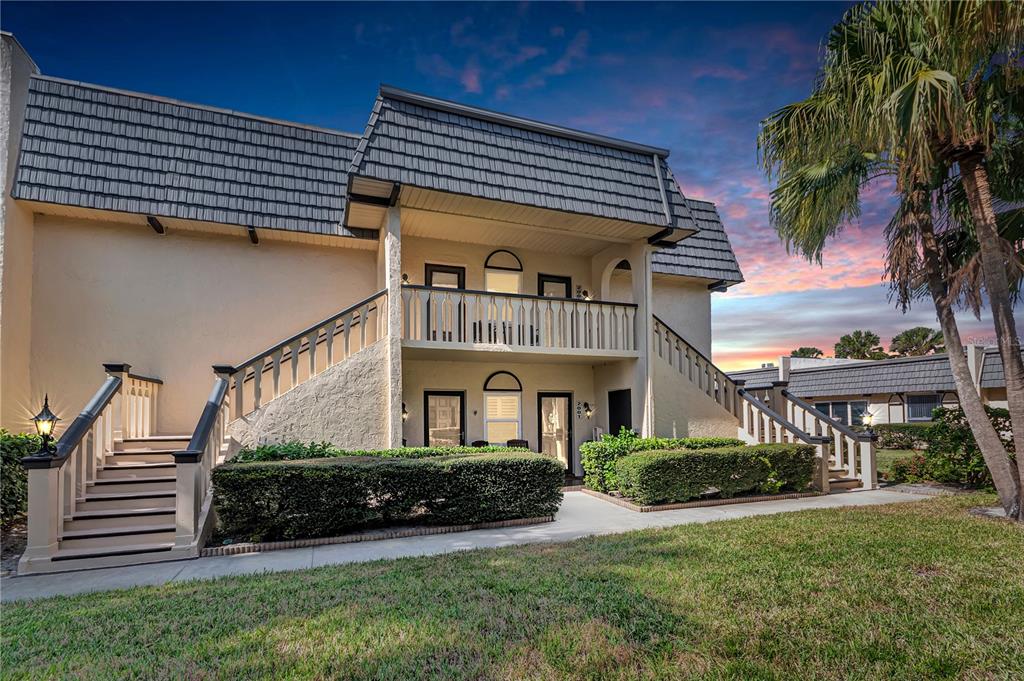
{"x": 297, "y": 451}
{"x": 278, "y": 500}
{"x": 598, "y": 458}
{"x": 903, "y": 435}
{"x": 664, "y": 477}
{"x": 909, "y": 469}
{"x": 13, "y": 477}
{"x": 953, "y": 456}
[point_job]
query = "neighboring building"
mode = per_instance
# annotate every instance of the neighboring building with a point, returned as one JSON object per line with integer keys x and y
{"x": 898, "y": 390}
{"x": 448, "y": 275}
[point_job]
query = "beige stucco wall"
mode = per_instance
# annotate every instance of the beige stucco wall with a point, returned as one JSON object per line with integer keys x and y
{"x": 172, "y": 305}
{"x": 417, "y": 251}
{"x": 17, "y": 401}
{"x": 685, "y": 305}
{"x": 421, "y": 375}
{"x": 682, "y": 410}
{"x": 346, "y": 405}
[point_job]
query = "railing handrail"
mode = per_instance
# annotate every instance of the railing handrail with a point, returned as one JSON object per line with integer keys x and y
{"x": 782, "y": 420}
{"x": 841, "y": 427}
{"x": 148, "y": 379}
{"x": 74, "y": 433}
{"x": 692, "y": 347}
{"x": 305, "y": 332}
{"x": 204, "y": 428}
{"x": 527, "y": 296}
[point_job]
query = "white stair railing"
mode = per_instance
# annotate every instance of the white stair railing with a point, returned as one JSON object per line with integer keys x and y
{"x": 123, "y": 406}
{"x": 311, "y": 351}
{"x": 697, "y": 368}
{"x": 852, "y": 451}
{"x": 206, "y": 449}
{"x": 463, "y": 318}
{"x": 759, "y": 424}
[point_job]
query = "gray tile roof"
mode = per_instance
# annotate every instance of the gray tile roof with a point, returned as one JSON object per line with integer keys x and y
{"x": 434, "y": 144}
{"x": 94, "y": 147}
{"x": 706, "y": 254}
{"x": 992, "y": 370}
{"x": 909, "y": 374}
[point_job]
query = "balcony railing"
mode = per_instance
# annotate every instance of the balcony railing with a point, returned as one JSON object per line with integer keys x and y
{"x": 458, "y": 318}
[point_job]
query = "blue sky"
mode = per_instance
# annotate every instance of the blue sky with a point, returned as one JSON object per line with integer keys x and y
{"x": 696, "y": 78}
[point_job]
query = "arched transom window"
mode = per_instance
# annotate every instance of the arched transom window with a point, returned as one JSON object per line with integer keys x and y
{"x": 503, "y": 272}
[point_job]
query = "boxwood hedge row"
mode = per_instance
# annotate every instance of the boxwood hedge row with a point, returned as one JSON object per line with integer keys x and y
{"x": 598, "y": 458}
{"x": 295, "y": 451}
{"x": 665, "y": 477}
{"x": 278, "y": 500}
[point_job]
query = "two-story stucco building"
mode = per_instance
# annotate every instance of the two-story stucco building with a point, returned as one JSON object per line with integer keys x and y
{"x": 446, "y": 275}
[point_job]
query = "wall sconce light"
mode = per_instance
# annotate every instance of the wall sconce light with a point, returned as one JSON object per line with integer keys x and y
{"x": 586, "y": 295}
{"x": 405, "y": 413}
{"x": 405, "y": 278}
{"x": 588, "y": 411}
{"x": 45, "y": 421}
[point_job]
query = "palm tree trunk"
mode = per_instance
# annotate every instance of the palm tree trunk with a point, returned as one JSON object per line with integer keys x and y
{"x": 974, "y": 176}
{"x": 1004, "y": 475}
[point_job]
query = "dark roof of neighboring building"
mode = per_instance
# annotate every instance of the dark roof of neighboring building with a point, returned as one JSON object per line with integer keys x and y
{"x": 435, "y": 144}
{"x": 94, "y": 147}
{"x": 707, "y": 254}
{"x": 903, "y": 374}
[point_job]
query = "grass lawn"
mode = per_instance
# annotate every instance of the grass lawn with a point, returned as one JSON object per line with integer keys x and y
{"x": 920, "y": 590}
{"x": 885, "y": 457}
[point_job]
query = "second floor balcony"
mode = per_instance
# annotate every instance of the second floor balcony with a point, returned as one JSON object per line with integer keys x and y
{"x": 460, "y": 319}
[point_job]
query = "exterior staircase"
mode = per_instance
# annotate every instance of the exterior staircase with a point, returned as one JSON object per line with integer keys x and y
{"x": 129, "y": 508}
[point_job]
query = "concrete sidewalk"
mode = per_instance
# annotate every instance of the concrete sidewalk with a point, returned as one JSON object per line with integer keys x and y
{"x": 580, "y": 516}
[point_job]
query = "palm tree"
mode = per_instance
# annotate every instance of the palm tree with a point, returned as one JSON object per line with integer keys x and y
{"x": 860, "y": 345}
{"x": 917, "y": 341}
{"x": 809, "y": 352}
{"x": 824, "y": 149}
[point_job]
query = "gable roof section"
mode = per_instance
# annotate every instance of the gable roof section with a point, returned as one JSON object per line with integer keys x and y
{"x": 94, "y": 147}
{"x": 434, "y": 144}
{"x": 706, "y": 254}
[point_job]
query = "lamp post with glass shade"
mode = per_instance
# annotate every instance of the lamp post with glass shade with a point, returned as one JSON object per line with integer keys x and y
{"x": 45, "y": 421}
{"x": 868, "y": 420}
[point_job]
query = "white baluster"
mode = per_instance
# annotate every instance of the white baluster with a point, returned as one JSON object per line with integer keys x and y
{"x": 276, "y": 372}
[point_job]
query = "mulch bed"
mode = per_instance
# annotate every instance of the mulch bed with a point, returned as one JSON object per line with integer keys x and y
{"x": 12, "y": 545}
{"x": 700, "y": 503}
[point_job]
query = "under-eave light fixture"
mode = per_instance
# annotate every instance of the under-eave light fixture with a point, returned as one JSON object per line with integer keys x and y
{"x": 253, "y": 236}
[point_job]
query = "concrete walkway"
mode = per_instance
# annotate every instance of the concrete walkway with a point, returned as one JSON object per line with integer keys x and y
{"x": 580, "y": 516}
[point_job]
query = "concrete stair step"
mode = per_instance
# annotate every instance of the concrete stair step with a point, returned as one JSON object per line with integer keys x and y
{"x": 105, "y": 538}
{"x": 132, "y": 484}
{"x": 126, "y": 500}
{"x": 844, "y": 483}
{"x": 118, "y": 518}
{"x": 156, "y": 442}
{"x": 139, "y": 456}
{"x": 136, "y": 470}
{"x": 94, "y": 553}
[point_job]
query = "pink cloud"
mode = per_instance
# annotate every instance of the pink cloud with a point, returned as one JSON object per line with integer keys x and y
{"x": 720, "y": 71}
{"x": 470, "y": 76}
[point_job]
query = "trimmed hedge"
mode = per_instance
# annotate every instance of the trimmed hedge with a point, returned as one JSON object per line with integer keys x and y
{"x": 298, "y": 451}
{"x": 598, "y": 458}
{"x": 13, "y": 477}
{"x": 270, "y": 501}
{"x": 903, "y": 435}
{"x": 666, "y": 477}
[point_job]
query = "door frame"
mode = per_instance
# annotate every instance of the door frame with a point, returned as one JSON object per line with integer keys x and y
{"x": 459, "y": 271}
{"x": 570, "y": 470}
{"x": 554, "y": 279}
{"x": 461, "y": 394}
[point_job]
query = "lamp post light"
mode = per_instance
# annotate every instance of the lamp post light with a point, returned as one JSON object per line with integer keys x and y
{"x": 868, "y": 420}
{"x": 45, "y": 421}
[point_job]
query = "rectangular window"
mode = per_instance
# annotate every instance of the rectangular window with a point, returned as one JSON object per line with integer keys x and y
{"x": 920, "y": 407}
{"x": 857, "y": 411}
{"x": 840, "y": 412}
{"x": 502, "y": 417}
{"x": 502, "y": 281}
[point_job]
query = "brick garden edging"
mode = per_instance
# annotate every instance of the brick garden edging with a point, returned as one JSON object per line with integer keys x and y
{"x": 618, "y": 501}
{"x": 369, "y": 535}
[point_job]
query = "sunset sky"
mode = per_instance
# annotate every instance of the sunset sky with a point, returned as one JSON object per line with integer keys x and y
{"x": 695, "y": 78}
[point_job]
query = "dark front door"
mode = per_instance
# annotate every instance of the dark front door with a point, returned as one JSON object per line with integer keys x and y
{"x": 620, "y": 410}
{"x": 554, "y": 426}
{"x": 445, "y": 276}
{"x": 444, "y": 418}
